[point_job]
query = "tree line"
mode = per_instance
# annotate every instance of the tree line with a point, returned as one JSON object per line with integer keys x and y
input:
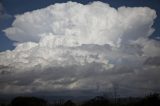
{"x": 150, "y": 100}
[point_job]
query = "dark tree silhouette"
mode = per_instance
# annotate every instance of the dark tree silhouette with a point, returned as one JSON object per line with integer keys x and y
{"x": 69, "y": 103}
{"x": 28, "y": 101}
{"x": 97, "y": 101}
{"x": 151, "y": 100}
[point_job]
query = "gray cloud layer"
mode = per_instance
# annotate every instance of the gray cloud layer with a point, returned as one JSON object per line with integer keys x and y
{"x": 71, "y": 46}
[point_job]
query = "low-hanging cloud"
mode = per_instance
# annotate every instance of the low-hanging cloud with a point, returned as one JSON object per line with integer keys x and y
{"x": 71, "y": 46}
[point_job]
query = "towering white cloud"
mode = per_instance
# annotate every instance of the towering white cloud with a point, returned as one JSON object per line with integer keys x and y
{"x": 71, "y": 46}
{"x": 75, "y": 24}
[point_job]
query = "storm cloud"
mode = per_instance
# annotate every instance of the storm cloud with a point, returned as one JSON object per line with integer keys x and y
{"x": 71, "y": 46}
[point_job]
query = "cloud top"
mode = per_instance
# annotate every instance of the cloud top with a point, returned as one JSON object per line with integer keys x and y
{"x": 74, "y": 24}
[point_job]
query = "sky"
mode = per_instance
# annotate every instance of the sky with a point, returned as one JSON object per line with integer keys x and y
{"x": 79, "y": 47}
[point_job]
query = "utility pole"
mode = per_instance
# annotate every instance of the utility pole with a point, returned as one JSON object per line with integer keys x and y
{"x": 115, "y": 93}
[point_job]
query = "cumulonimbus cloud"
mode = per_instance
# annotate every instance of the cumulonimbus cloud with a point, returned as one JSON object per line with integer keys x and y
{"x": 78, "y": 47}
